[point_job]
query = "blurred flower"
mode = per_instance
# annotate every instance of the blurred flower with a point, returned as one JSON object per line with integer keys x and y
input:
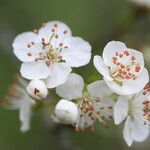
{"x": 37, "y": 89}
{"x": 66, "y": 112}
{"x": 123, "y": 68}
{"x": 136, "y": 108}
{"x": 50, "y": 53}
{"x": 17, "y": 98}
{"x": 92, "y": 102}
{"x": 142, "y": 2}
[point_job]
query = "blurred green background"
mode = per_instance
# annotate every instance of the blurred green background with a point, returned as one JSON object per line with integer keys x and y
{"x": 97, "y": 21}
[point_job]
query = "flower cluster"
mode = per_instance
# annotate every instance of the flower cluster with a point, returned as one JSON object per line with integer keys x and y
{"x": 48, "y": 56}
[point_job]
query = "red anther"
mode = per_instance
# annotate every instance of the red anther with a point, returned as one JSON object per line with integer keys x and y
{"x": 133, "y": 58}
{"x": 32, "y": 43}
{"x": 110, "y": 107}
{"x": 97, "y": 100}
{"x": 118, "y": 63}
{"x": 120, "y": 55}
{"x": 114, "y": 58}
{"x": 92, "y": 118}
{"x": 128, "y": 69}
{"x": 55, "y": 25}
{"x": 110, "y": 117}
{"x": 29, "y": 54}
{"x": 56, "y": 36}
{"x": 106, "y": 126}
{"x": 116, "y": 53}
{"x": 124, "y": 72}
{"x": 81, "y": 115}
{"x": 102, "y": 108}
{"x": 90, "y": 107}
{"x": 53, "y": 30}
{"x": 43, "y": 40}
{"x": 98, "y": 112}
{"x": 122, "y": 66}
{"x": 60, "y": 44}
{"x": 128, "y": 77}
{"x": 137, "y": 68}
{"x": 90, "y": 114}
{"x": 65, "y": 32}
{"x": 28, "y": 45}
{"x": 85, "y": 100}
{"x": 126, "y": 53}
{"x": 66, "y": 47}
{"x": 40, "y": 53}
{"x": 36, "y": 59}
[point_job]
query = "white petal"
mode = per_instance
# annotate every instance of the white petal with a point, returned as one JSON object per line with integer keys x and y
{"x": 139, "y": 131}
{"x": 25, "y": 115}
{"x": 127, "y": 131}
{"x": 21, "y": 49}
{"x": 46, "y": 31}
{"x": 101, "y": 67}
{"x": 110, "y": 49}
{"x": 72, "y": 88}
{"x": 99, "y": 89}
{"x": 59, "y": 73}
{"x": 135, "y": 86}
{"x": 34, "y": 70}
{"x": 78, "y": 52}
{"x": 121, "y": 109}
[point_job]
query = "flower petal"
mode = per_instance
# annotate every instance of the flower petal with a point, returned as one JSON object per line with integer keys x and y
{"x": 139, "y": 131}
{"x": 59, "y": 73}
{"x": 126, "y": 131}
{"x": 46, "y": 31}
{"x": 27, "y": 46}
{"x": 121, "y": 109}
{"x": 34, "y": 70}
{"x": 25, "y": 114}
{"x": 101, "y": 67}
{"x": 110, "y": 49}
{"x": 78, "y": 52}
{"x": 135, "y": 86}
{"x": 72, "y": 88}
{"x": 99, "y": 89}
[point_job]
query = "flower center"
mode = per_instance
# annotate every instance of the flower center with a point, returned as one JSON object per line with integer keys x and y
{"x": 125, "y": 67}
{"x": 50, "y": 51}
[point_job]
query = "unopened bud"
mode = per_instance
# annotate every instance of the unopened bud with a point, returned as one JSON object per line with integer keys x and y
{"x": 66, "y": 112}
{"x": 37, "y": 89}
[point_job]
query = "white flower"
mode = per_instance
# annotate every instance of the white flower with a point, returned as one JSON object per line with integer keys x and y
{"x": 37, "y": 89}
{"x": 136, "y": 108}
{"x": 50, "y": 53}
{"x": 123, "y": 68}
{"x": 92, "y": 103}
{"x": 142, "y": 2}
{"x": 17, "y": 98}
{"x": 66, "y": 112}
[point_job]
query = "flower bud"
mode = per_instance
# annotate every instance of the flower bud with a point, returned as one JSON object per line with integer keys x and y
{"x": 37, "y": 89}
{"x": 66, "y": 112}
